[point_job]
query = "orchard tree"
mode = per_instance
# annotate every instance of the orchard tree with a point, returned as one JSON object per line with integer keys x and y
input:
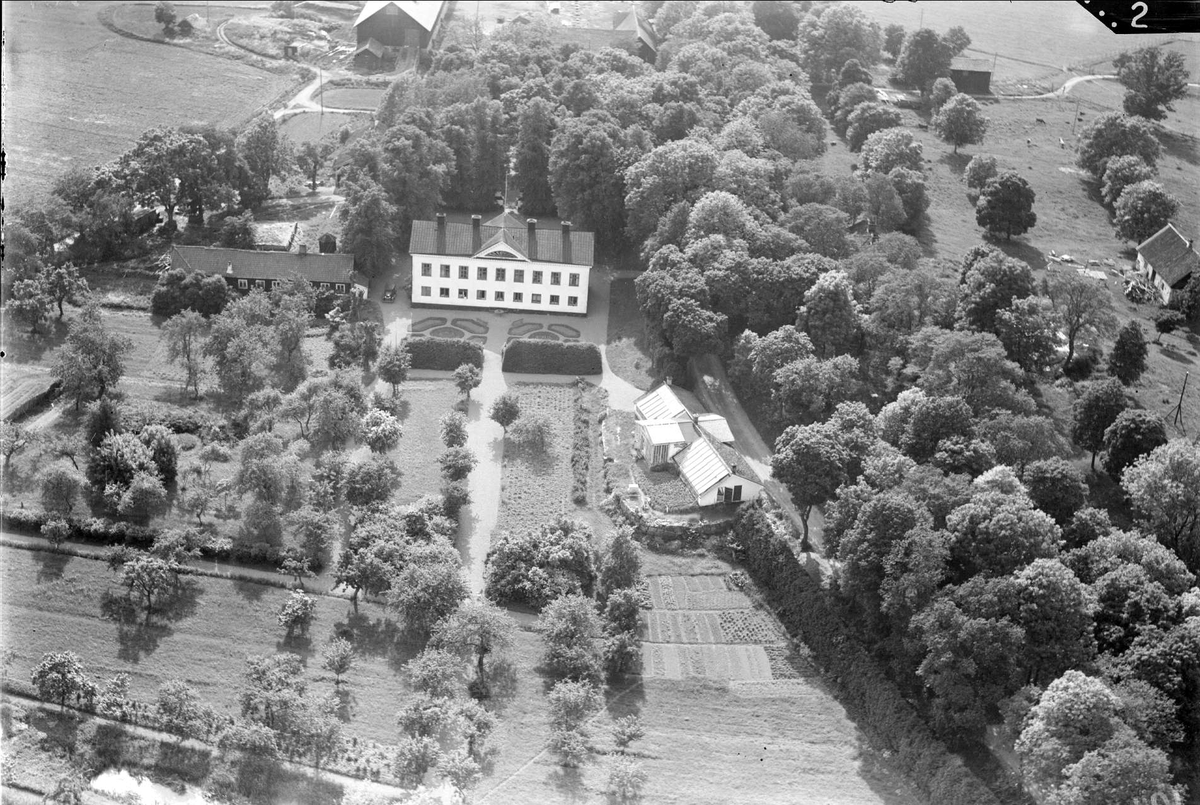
{"x": 925, "y": 57}
{"x": 1098, "y": 406}
{"x": 1143, "y": 209}
{"x": 180, "y": 709}
{"x": 943, "y": 90}
{"x": 1132, "y": 435}
{"x": 184, "y": 334}
{"x": 960, "y": 122}
{"x": 1166, "y": 321}
{"x": 371, "y": 481}
{"x": 64, "y": 284}
{"x": 892, "y": 148}
{"x": 1122, "y": 172}
{"x": 506, "y": 410}
{"x": 13, "y": 439}
{"x": 980, "y": 170}
{"x": 380, "y": 430}
{"x": 457, "y": 463}
{"x": 1154, "y": 79}
{"x": 1112, "y": 135}
{"x": 476, "y": 630}
{"x": 467, "y": 378}
{"x": 59, "y": 676}
{"x": 30, "y": 301}
{"x": 1127, "y": 361}
{"x": 453, "y": 429}
{"x": 393, "y": 366}
{"x": 61, "y": 486}
{"x": 92, "y": 360}
{"x": 1005, "y": 206}
{"x": 811, "y": 462}
{"x": 296, "y": 613}
{"x": 1081, "y": 307}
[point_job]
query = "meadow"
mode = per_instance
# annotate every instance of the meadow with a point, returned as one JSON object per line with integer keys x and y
{"x": 107, "y": 90}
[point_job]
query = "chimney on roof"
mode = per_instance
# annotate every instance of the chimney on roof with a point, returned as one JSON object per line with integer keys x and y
{"x": 667, "y": 380}
{"x": 303, "y": 248}
{"x": 566, "y": 241}
{"x": 1191, "y": 243}
{"x": 531, "y": 231}
{"x": 441, "y": 233}
{"x": 229, "y": 269}
{"x": 733, "y": 468}
{"x": 476, "y": 233}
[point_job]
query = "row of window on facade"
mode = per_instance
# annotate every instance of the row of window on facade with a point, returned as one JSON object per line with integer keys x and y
{"x": 498, "y": 296}
{"x": 339, "y": 287}
{"x": 500, "y": 274}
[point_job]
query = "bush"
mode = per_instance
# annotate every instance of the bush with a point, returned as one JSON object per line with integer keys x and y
{"x": 442, "y": 353}
{"x": 137, "y": 415}
{"x": 539, "y": 567}
{"x": 872, "y": 700}
{"x": 552, "y": 358}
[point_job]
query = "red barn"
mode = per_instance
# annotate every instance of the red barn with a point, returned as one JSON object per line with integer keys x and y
{"x": 400, "y": 23}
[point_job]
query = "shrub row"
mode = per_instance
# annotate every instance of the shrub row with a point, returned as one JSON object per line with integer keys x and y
{"x": 446, "y": 354}
{"x": 581, "y": 449}
{"x": 552, "y": 358}
{"x": 869, "y": 696}
{"x": 137, "y": 414}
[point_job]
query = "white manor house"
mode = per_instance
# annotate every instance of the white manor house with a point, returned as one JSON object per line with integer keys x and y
{"x": 503, "y": 263}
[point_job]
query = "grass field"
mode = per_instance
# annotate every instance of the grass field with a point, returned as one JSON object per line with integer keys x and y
{"x": 78, "y": 94}
{"x": 21, "y": 383}
{"x": 352, "y": 97}
{"x": 626, "y": 341}
{"x": 312, "y": 126}
{"x": 1035, "y": 44}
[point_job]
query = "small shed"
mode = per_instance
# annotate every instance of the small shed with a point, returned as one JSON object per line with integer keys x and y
{"x": 972, "y": 76}
{"x": 291, "y": 50}
{"x": 327, "y": 243}
{"x": 1168, "y": 260}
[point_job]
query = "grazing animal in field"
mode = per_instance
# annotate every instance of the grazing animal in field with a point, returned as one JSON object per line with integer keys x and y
{"x": 1028, "y": 142}
{"x": 1061, "y": 143}
{"x": 1039, "y": 120}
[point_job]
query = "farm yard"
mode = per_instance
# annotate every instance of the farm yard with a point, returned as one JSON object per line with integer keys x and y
{"x": 89, "y": 118}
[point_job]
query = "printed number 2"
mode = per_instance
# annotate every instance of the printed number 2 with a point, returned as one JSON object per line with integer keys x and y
{"x": 1134, "y": 22}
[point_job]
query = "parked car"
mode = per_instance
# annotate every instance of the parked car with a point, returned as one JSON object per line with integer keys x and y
{"x": 389, "y": 293}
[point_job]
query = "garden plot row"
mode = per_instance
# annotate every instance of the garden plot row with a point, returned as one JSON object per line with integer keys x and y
{"x": 717, "y": 662}
{"x": 723, "y": 626}
{"x": 710, "y": 592}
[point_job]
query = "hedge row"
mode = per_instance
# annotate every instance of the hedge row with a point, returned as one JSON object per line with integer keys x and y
{"x": 552, "y": 358}
{"x": 869, "y": 696}
{"x": 446, "y": 354}
{"x": 581, "y": 449}
{"x": 136, "y": 415}
{"x": 113, "y": 532}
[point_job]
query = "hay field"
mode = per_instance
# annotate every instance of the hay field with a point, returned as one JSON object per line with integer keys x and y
{"x": 79, "y": 94}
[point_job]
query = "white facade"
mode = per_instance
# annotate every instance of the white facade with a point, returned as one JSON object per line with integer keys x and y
{"x": 499, "y": 278}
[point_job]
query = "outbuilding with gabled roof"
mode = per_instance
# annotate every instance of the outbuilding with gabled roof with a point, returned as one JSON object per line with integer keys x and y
{"x": 1168, "y": 260}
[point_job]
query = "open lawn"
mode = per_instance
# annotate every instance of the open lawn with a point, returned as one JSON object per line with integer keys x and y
{"x": 351, "y": 97}
{"x": 626, "y": 349}
{"x": 78, "y": 94}
{"x": 313, "y": 126}
{"x": 1034, "y": 44}
{"x": 424, "y": 403}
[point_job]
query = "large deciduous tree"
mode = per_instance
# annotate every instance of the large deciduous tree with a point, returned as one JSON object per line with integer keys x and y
{"x": 1164, "y": 488}
{"x": 1115, "y": 134}
{"x": 1132, "y": 435}
{"x": 369, "y": 228}
{"x": 184, "y": 335}
{"x": 960, "y": 121}
{"x": 990, "y": 284}
{"x": 892, "y": 148}
{"x": 587, "y": 174}
{"x": 1082, "y": 308}
{"x": 1122, "y": 172}
{"x": 811, "y": 462}
{"x": 828, "y": 40}
{"x": 1098, "y": 406}
{"x": 535, "y": 132}
{"x": 92, "y": 360}
{"x": 1127, "y": 361}
{"x": 868, "y": 118}
{"x": 1154, "y": 79}
{"x": 1143, "y": 209}
{"x": 924, "y": 58}
{"x": 59, "y": 676}
{"x": 1005, "y": 205}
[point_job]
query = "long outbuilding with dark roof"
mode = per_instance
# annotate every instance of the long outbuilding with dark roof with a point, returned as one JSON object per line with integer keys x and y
{"x": 504, "y": 263}
{"x": 246, "y": 269}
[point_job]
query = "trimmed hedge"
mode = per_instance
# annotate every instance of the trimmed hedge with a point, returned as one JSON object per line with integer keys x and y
{"x": 552, "y": 358}
{"x": 446, "y": 354}
{"x": 872, "y": 699}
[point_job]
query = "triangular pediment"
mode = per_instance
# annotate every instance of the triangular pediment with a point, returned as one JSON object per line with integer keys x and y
{"x": 501, "y": 246}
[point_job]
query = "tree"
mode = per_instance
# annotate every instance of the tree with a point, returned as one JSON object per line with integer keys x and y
{"x": 1143, "y": 209}
{"x": 824, "y": 228}
{"x": 924, "y": 58}
{"x": 811, "y": 463}
{"x": 569, "y": 627}
{"x": 1081, "y": 307}
{"x": 677, "y": 172}
{"x": 692, "y": 330}
{"x": 1123, "y": 171}
{"x": 296, "y": 613}
{"x": 92, "y": 360}
{"x": 996, "y": 534}
{"x": 910, "y": 187}
{"x": 63, "y": 284}
{"x": 429, "y": 588}
{"x": 991, "y": 284}
{"x": 144, "y": 498}
{"x": 1127, "y": 361}
{"x": 843, "y": 103}
{"x": 829, "y": 39}
{"x": 13, "y": 439}
{"x": 1114, "y": 135}
{"x": 587, "y": 173}
{"x": 1166, "y": 321}
{"x": 476, "y": 630}
{"x": 1098, "y": 406}
{"x": 853, "y": 73}
{"x": 830, "y": 316}
{"x": 960, "y": 122}
{"x": 1154, "y": 79}
{"x": 889, "y": 149}
{"x": 893, "y": 40}
{"x": 621, "y": 567}
{"x": 457, "y": 463}
{"x": 393, "y": 365}
{"x": 1005, "y": 205}
{"x": 56, "y": 532}
{"x": 535, "y": 131}
{"x": 380, "y": 430}
{"x": 506, "y": 409}
{"x": 956, "y": 40}
{"x": 150, "y": 577}
{"x": 1132, "y": 435}
{"x": 184, "y": 334}
{"x": 311, "y": 158}
{"x": 265, "y": 155}
{"x": 180, "y": 709}
{"x": 1029, "y": 332}
{"x": 532, "y": 432}
{"x": 371, "y": 481}
{"x": 777, "y": 20}
{"x": 59, "y": 676}
{"x": 1055, "y": 487}
{"x": 980, "y": 170}
{"x": 1123, "y": 769}
{"x": 337, "y": 657}
{"x": 369, "y": 227}
{"x": 467, "y": 378}
{"x": 30, "y": 301}
{"x": 60, "y": 488}
{"x": 164, "y": 15}
{"x": 1164, "y": 488}
{"x": 868, "y": 118}
{"x": 453, "y": 429}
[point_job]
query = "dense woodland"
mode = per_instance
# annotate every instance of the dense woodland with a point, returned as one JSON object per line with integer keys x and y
{"x": 1001, "y": 579}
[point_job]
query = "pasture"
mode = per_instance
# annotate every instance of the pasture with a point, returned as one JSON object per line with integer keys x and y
{"x": 107, "y": 90}
{"x": 1036, "y": 45}
{"x": 366, "y": 98}
{"x": 309, "y": 127}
